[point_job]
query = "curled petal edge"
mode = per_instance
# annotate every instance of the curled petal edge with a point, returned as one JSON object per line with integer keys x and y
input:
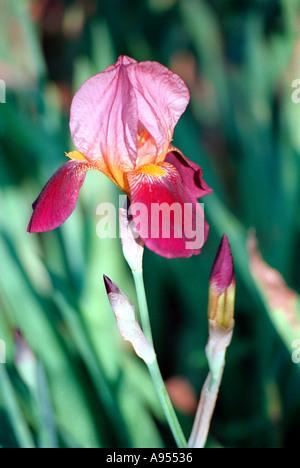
{"x": 191, "y": 173}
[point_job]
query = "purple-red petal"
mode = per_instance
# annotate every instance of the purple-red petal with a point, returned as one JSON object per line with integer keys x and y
{"x": 180, "y": 234}
{"x": 222, "y": 273}
{"x": 58, "y": 198}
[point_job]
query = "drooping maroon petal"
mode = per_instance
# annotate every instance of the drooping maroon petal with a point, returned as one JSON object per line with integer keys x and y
{"x": 58, "y": 199}
{"x": 191, "y": 173}
{"x": 169, "y": 220}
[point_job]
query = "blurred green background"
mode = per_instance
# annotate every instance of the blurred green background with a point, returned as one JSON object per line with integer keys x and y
{"x": 85, "y": 387}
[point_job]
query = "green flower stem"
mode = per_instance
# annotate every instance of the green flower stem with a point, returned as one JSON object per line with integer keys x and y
{"x": 143, "y": 305}
{"x": 153, "y": 366}
{"x": 167, "y": 405}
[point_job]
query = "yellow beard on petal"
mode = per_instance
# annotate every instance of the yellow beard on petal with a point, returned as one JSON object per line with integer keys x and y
{"x": 154, "y": 170}
{"x": 118, "y": 176}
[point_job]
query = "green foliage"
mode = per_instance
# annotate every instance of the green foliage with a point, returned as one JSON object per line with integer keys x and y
{"x": 239, "y": 60}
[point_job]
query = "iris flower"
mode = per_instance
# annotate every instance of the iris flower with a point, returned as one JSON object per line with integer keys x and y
{"x": 122, "y": 122}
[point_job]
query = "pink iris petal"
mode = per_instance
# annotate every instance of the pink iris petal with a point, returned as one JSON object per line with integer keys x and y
{"x": 104, "y": 121}
{"x": 180, "y": 234}
{"x": 162, "y": 97}
{"x": 58, "y": 199}
{"x": 190, "y": 172}
{"x": 122, "y": 60}
{"x": 126, "y": 115}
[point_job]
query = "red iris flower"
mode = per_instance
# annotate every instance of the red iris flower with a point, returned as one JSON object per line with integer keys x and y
{"x": 122, "y": 123}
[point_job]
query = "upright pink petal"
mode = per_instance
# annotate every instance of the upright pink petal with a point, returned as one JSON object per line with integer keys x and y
{"x": 162, "y": 98}
{"x": 191, "y": 173}
{"x": 122, "y": 60}
{"x": 168, "y": 219}
{"x": 58, "y": 199}
{"x": 104, "y": 120}
{"x": 125, "y": 116}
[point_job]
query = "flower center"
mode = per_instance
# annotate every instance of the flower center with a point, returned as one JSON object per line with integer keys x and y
{"x": 143, "y": 137}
